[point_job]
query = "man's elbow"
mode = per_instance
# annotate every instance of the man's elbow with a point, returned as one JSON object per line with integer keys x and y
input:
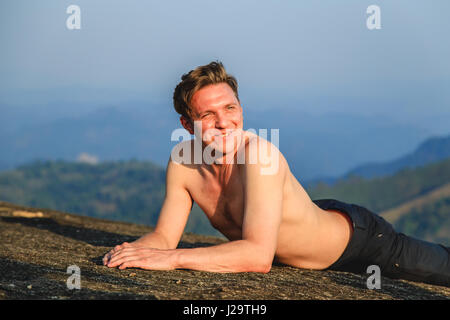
{"x": 261, "y": 261}
{"x": 260, "y": 267}
{"x": 265, "y": 268}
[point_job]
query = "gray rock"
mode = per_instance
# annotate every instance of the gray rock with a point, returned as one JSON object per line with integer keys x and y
{"x": 36, "y": 250}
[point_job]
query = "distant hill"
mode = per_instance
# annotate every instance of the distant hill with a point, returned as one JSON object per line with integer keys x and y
{"x": 426, "y": 217}
{"x": 131, "y": 191}
{"x": 430, "y": 221}
{"x": 120, "y": 191}
{"x": 395, "y": 214}
{"x": 431, "y": 150}
{"x": 415, "y": 200}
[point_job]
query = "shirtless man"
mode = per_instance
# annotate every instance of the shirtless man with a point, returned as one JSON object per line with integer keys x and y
{"x": 266, "y": 217}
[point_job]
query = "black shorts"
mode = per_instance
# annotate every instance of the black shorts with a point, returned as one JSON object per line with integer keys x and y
{"x": 375, "y": 242}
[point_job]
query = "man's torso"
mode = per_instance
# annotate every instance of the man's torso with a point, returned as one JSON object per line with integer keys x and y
{"x": 309, "y": 237}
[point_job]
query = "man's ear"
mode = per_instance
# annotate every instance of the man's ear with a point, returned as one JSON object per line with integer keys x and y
{"x": 187, "y": 124}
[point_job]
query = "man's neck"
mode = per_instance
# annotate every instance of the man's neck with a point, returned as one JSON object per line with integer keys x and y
{"x": 220, "y": 172}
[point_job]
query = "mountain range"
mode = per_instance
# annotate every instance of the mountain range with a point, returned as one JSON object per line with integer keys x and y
{"x": 431, "y": 150}
{"x": 316, "y": 146}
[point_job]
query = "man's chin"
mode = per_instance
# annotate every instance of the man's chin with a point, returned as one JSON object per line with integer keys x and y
{"x": 221, "y": 146}
{"x": 216, "y": 152}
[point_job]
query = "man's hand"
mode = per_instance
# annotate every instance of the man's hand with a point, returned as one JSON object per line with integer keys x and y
{"x": 129, "y": 255}
{"x": 108, "y": 256}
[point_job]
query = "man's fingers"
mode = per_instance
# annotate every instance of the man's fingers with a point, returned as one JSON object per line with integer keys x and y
{"x": 107, "y": 257}
{"x": 120, "y": 247}
{"x": 130, "y": 264}
{"x": 115, "y": 261}
{"x": 121, "y": 259}
{"x": 116, "y": 249}
{"x": 123, "y": 254}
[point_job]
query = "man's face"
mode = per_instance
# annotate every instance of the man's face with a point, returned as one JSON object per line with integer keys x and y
{"x": 218, "y": 111}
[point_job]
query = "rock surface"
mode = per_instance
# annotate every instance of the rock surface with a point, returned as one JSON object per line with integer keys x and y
{"x": 38, "y": 245}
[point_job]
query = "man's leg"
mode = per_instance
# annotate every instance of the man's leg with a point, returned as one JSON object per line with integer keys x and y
{"x": 419, "y": 260}
{"x": 375, "y": 241}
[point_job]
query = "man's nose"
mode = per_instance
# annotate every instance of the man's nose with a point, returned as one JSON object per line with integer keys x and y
{"x": 221, "y": 121}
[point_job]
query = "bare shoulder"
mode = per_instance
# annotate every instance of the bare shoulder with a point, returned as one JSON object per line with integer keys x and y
{"x": 264, "y": 155}
{"x": 181, "y": 164}
{"x": 183, "y": 153}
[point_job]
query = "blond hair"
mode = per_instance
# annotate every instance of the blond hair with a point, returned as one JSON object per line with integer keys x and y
{"x": 194, "y": 80}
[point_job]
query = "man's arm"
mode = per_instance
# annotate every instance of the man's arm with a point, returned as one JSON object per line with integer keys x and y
{"x": 172, "y": 218}
{"x": 262, "y": 217}
{"x": 175, "y": 209}
{"x": 254, "y": 253}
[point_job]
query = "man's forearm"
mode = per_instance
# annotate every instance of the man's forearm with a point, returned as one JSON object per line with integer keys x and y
{"x": 234, "y": 256}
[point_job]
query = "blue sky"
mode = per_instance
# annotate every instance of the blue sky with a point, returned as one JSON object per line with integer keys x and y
{"x": 314, "y": 56}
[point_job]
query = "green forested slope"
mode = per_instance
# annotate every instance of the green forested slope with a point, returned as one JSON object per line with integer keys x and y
{"x": 430, "y": 221}
{"x": 133, "y": 191}
{"x": 380, "y": 194}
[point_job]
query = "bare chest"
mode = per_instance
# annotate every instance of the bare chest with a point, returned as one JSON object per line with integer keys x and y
{"x": 223, "y": 203}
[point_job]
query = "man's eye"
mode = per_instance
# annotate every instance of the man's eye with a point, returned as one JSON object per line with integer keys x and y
{"x": 230, "y": 107}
